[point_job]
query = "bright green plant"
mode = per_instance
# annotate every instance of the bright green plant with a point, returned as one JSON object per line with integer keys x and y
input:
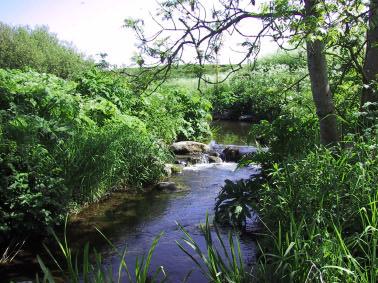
{"x": 59, "y": 146}
{"x": 234, "y": 202}
{"x": 224, "y": 264}
{"x": 320, "y": 213}
{"x": 95, "y": 270}
{"x": 286, "y": 136}
{"x": 309, "y": 252}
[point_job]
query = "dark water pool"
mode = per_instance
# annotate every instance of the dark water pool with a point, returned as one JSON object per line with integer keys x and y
{"x": 231, "y": 132}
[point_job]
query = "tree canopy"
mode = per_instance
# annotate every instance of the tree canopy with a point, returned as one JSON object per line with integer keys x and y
{"x": 323, "y": 28}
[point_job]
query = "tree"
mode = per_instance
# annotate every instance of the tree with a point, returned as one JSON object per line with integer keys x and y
{"x": 201, "y": 25}
{"x": 321, "y": 91}
{"x": 39, "y": 49}
{"x": 370, "y": 68}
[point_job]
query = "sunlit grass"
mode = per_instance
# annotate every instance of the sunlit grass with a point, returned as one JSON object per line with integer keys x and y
{"x": 92, "y": 268}
{"x": 10, "y": 252}
{"x": 217, "y": 264}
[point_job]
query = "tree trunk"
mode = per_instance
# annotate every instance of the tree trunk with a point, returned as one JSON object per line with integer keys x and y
{"x": 321, "y": 92}
{"x": 370, "y": 69}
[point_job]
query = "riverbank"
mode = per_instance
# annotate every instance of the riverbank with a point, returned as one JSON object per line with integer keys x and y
{"x": 123, "y": 216}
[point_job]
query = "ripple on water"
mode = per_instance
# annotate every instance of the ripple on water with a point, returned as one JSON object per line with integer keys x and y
{"x": 189, "y": 209}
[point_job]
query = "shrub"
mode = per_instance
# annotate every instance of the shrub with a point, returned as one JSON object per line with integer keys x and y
{"x": 286, "y": 136}
{"x": 262, "y": 91}
{"x": 22, "y": 47}
{"x": 59, "y": 146}
{"x": 234, "y": 203}
{"x": 176, "y": 114}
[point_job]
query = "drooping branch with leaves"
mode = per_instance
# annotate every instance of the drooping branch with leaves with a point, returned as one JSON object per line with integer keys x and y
{"x": 194, "y": 30}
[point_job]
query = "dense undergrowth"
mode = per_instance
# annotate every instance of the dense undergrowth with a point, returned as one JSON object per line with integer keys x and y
{"x": 65, "y": 143}
{"x": 71, "y": 132}
{"x": 318, "y": 205}
{"x": 23, "y": 47}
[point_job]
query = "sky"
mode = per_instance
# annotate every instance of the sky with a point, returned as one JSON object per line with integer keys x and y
{"x": 92, "y": 26}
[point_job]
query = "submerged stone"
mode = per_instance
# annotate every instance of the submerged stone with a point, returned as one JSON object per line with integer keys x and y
{"x": 169, "y": 187}
{"x": 234, "y": 153}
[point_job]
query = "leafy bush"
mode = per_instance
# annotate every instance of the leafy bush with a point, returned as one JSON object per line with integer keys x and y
{"x": 109, "y": 86}
{"x": 196, "y": 114}
{"x": 37, "y": 114}
{"x": 59, "y": 146}
{"x": 234, "y": 202}
{"x": 263, "y": 90}
{"x": 286, "y": 136}
{"x": 22, "y": 47}
{"x": 176, "y": 114}
{"x": 64, "y": 143}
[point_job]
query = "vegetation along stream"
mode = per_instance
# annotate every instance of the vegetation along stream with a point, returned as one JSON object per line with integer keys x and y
{"x": 258, "y": 118}
{"x": 135, "y": 221}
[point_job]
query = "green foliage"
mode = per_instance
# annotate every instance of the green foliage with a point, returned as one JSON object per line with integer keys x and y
{"x": 23, "y": 47}
{"x": 286, "y": 136}
{"x": 262, "y": 90}
{"x": 196, "y": 115}
{"x": 64, "y": 142}
{"x": 225, "y": 266}
{"x": 234, "y": 202}
{"x": 109, "y": 86}
{"x": 94, "y": 270}
{"x": 176, "y": 114}
{"x": 36, "y": 120}
{"x": 321, "y": 214}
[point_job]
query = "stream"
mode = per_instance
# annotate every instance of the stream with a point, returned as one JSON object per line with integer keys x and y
{"x": 135, "y": 220}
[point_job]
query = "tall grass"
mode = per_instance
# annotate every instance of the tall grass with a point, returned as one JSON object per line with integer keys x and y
{"x": 307, "y": 252}
{"x": 220, "y": 263}
{"x": 92, "y": 267}
{"x": 115, "y": 156}
{"x": 10, "y": 252}
{"x": 321, "y": 218}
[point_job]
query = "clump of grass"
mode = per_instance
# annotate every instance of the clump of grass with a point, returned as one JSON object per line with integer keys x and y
{"x": 322, "y": 218}
{"x": 226, "y": 265}
{"x": 89, "y": 270}
{"x": 11, "y": 251}
{"x": 307, "y": 252}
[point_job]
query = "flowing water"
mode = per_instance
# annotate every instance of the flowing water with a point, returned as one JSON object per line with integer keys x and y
{"x": 134, "y": 220}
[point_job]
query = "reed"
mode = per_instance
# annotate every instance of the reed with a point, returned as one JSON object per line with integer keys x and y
{"x": 92, "y": 268}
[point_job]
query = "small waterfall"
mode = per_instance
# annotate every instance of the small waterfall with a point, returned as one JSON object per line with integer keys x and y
{"x": 204, "y": 158}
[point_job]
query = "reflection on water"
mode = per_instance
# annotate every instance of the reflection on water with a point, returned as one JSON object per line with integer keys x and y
{"x": 230, "y": 132}
{"x": 135, "y": 222}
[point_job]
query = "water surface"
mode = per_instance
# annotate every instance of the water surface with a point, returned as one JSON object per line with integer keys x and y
{"x": 134, "y": 221}
{"x": 232, "y": 132}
